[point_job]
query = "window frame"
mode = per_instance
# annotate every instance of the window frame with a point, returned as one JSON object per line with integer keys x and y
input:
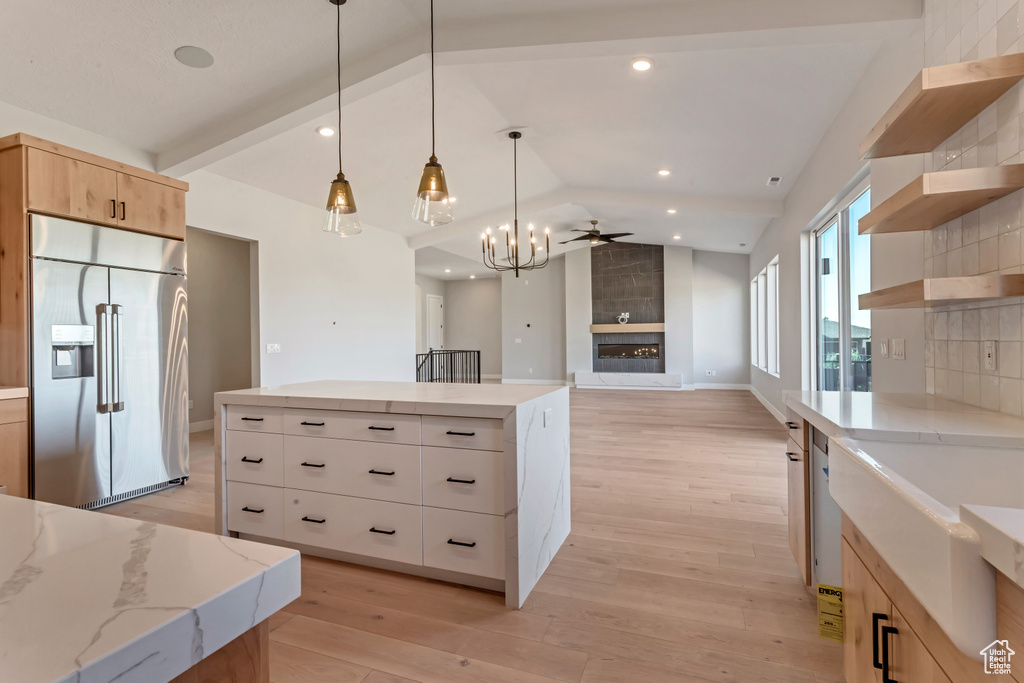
{"x": 764, "y": 319}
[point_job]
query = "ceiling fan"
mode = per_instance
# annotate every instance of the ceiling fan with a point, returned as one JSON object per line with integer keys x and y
{"x": 594, "y": 235}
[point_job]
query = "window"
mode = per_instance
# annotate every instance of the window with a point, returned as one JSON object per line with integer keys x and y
{"x": 842, "y": 267}
{"x": 764, "y": 319}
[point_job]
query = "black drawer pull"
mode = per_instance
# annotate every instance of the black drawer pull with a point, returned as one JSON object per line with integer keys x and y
{"x": 382, "y": 429}
{"x": 375, "y": 530}
{"x": 386, "y": 474}
{"x": 249, "y": 509}
{"x": 315, "y": 521}
{"x": 311, "y": 464}
{"x": 875, "y": 618}
{"x": 461, "y": 481}
{"x": 252, "y": 419}
{"x": 886, "y": 632}
{"x": 312, "y": 424}
{"x": 793, "y": 425}
{"x": 254, "y": 462}
{"x": 451, "y": 433}
{"x": 464, "y": 545}
{"x": 792, "y": 457}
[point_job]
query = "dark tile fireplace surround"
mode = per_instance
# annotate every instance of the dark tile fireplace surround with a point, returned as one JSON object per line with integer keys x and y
{"x": 628, "y": 277}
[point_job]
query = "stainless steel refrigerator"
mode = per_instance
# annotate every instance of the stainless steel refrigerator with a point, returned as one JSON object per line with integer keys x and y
{"x": 109, "y": 363}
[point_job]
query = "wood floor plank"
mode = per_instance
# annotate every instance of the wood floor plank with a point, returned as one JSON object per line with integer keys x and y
{"x": 289, "y": 664}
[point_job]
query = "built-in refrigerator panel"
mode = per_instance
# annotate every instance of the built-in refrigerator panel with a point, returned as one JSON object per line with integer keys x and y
{"x": 71, "y": 433}
{"x": 150, "y": 430}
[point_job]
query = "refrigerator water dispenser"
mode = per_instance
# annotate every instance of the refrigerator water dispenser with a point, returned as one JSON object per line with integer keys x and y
{"x": 71, "y": 351}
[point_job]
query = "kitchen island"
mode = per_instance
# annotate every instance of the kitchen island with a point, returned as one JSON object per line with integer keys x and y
{"x": 467, "y": 483}
{"x": 93, "y": 598}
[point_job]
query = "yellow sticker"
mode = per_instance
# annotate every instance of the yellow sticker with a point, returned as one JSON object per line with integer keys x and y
{"x": 830, "y": 612}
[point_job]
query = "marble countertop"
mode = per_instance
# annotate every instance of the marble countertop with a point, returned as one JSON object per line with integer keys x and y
{"x": 412, "y": 398}
{"x": 1002, "y": 537}
{"x": 13, "y": 392}
{"x": 89, "y": 597}
{"x": 905, "y": 417}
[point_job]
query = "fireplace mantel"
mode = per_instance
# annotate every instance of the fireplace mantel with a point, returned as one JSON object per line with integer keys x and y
{"x": 628, "y": 328}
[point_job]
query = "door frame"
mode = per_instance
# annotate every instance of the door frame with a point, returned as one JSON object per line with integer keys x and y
{"x": 426, "y": 316}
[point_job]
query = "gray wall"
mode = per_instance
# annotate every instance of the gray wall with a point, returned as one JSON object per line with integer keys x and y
{"x": 578, "y": 313}
{"x": 219, "y": 319}
{"x": 472, "y": 320}
{"x": 679, "y": 328}
{"x": 536, "y": 298}
{"x": 424, "y": 286}
{"x": 721, "y": 318}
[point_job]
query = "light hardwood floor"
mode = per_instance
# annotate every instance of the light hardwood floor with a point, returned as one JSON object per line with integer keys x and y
{"x": 677, "y": 569}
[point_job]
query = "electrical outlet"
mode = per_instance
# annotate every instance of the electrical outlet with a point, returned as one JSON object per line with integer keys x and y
{"x": 899, "y": 349}
{"x": 273, "y": 348}
{"x": 548, "y": 417}
{"x": 707, "y": 373}
{"x": 190, "y": 404}
{"x": 518, "y": 340}
{"x": 988, "y": 355}
{"x": 883, "y": 348}
{"x": 531, "y": 371}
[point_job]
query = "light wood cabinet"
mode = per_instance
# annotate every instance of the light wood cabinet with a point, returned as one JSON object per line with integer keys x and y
{"x": 798, "y": 478}
{"x": 14, "y": 446}
{"x": 146, "y": 206}
{"x": 67, "y": 187}
{"x": 910, "y": 659}
{"x": 866, "y": 608}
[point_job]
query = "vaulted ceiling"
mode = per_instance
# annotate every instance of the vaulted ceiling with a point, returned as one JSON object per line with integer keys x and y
{"x": 740, "y": 90}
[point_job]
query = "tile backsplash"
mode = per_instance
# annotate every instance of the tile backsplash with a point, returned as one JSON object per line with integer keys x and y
{"x": 987, "y": 240}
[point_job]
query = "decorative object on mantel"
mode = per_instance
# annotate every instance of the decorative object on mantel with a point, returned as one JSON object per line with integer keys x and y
{"x": 341, "y": 217}
{"x": 511, "y": 260}
{"x": 595, "y": 237}
{"x": 433, "y": 205}
{"x": 623, "y": 318}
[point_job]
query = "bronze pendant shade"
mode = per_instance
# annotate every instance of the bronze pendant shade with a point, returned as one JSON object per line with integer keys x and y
{"x": 341, "y": 217}
{"x": 433, "y": 205}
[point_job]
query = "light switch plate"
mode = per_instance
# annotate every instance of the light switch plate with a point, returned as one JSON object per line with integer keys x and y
{"x": 191, "y": 404}
{"x": 518, "y": 340}
{"x": 988, "y": 355}
{"x": 548, "y": 417}
{"x": 273, "y": 348}
{"x": 883, "y": 348}
{"x": 899, "y": 349}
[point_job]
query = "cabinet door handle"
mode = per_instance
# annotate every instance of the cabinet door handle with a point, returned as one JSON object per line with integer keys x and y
{"x": 461, "y": 481}
{"x": 314, "y": 521}
{"x": 312, "y": 424}
{"x": 792, "y": 457}
{"x": 122, "y": 211}
{"x": 382, "y": 429}
{"x": 254, "y": 462}
{"x": 886, "y": 632}
{"x": 464, "y": 545}
{"x": 249, "y": 509}
{"x": 113, "y": 208}
{"x": 386, "y": 474}
{"x": 252, "y": 419}
{"x": 451, "y": 433}
{"x": 875, "y": 618}
{"x": 793, "y": 425}
{"x": 311, "y": 464}
{"x": 375, "y": 530}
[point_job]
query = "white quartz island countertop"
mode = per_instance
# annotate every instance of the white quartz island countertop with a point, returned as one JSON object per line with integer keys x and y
{"x": 93, "y": 598}
{"x": 905, "y": 417}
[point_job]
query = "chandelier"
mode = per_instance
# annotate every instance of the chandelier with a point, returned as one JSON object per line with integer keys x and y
{"x": 489, "y": 242}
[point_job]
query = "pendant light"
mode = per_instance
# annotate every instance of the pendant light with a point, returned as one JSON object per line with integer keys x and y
{"x": 433, "y": 206}
{"x": 511, "y": 260}
{"x": 341, "y": 217}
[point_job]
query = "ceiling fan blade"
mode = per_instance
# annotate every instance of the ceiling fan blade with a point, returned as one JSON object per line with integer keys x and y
{"x": 577, "y": 239}
{"x": 617, "y": 235}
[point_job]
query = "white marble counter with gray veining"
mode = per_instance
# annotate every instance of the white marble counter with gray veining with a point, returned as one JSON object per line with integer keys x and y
{"x": 92, "y": 598}
{"x": 905, "y": 417}
{"x": 1001, "y": 531}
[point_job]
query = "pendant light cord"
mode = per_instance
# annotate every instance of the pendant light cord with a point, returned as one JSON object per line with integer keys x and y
{"x": 339, "y": 87}
{"x": 515, "y": 179}
{"x": 433, "y": 106}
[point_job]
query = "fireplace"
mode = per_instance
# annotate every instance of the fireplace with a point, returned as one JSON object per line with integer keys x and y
{"x": 650, "y": 351}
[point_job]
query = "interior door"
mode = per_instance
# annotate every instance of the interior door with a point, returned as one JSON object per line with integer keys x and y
{"x": 150, "y": 419}
{"x": 435, "y": 322}
{"x": 71, "y": 424}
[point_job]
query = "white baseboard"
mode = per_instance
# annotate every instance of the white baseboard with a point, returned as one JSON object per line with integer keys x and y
{"x": 685, "y": 387}
{"x": 731, "y": 387}
{"x": 544, "y": 382}
{"x": 204, "y": 426}
{"x": 768, "y": 404}
{"x": 490, "y": 376}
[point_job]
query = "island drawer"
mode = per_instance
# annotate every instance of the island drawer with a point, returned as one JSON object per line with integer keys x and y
{"x": 378, "y": 427}
{"x": 380, "y": 471}
{"x": 254, "y": 419}
{"x": 254, "y": 509}
{"x": 466, "y": 542}
{"x": 798, "y": 431}
{"x": 390, "y": 531}
{"x": 467, "y": 480}
{"x": 463, "y": 432}
{"x": 255, "y": 458}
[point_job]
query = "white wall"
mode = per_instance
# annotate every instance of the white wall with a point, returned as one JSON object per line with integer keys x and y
{"x": 679, "y": 312}
{"x": 426, "y": 286}
{"x": 579, "y": 350}
{"x": 721, "y": 318}
{"x": 828, "y": 175}
{"x": 472, "y": 320}
{"x": 536, "y": 298}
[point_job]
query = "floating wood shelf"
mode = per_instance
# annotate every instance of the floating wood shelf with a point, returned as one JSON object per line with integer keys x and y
{"x": 628, "y": 328}
{"x": 937, "y": 198}
{"x": 943, "y": 291}
{"x": 938, "y": 103}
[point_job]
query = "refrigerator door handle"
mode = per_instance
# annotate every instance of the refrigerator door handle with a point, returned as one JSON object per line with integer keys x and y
{"x": 102, "y": 359}
{"x": 117, "y": 401}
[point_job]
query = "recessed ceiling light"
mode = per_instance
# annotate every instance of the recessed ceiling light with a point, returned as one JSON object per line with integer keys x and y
{"x": 774, "y": 181}
{"x": 642, "y": 64}
{"x": 195, "y": 57}
{"x": 664, "y": 171}
{"x": 677, "y": 237}
{"x": 472, "y": 277}
{"x": 447, "y": 270}
{"x": 326, "y": 131}
{"x": 743, "y": 244}
{"x": 452, "y": 200}
{"x": 671, "y": 210}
